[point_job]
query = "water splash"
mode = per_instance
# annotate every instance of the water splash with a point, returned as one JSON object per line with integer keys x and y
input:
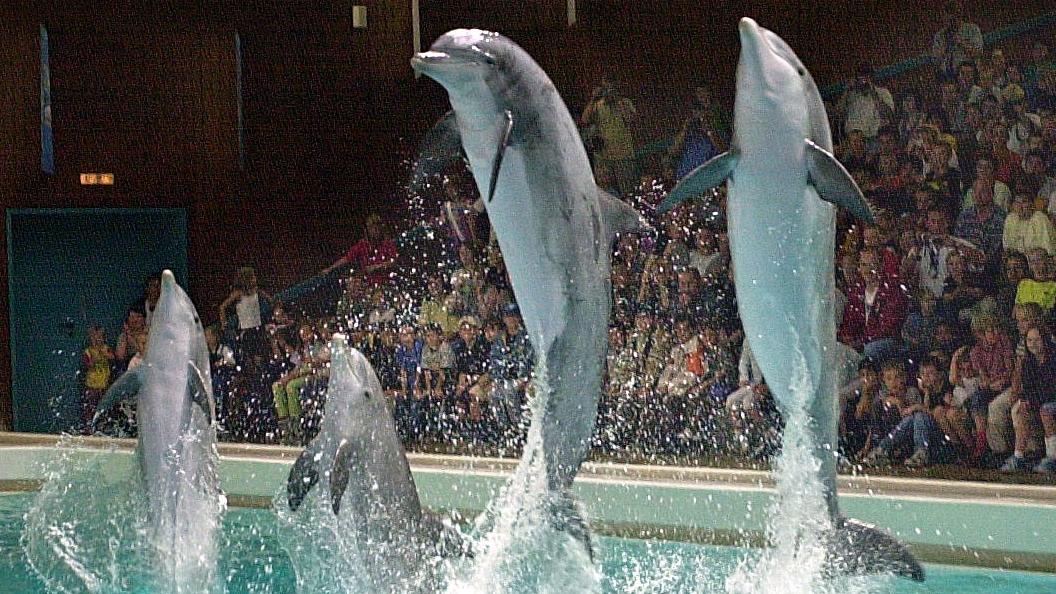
{"x": 517, "y": 548}
{"x": 88, "y": 530}
{"x": 796, "y": 561}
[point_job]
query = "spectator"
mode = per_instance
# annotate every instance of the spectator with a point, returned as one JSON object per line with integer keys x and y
{"x": 134, "y": 325}
{"x": 470, "y": 350}
{"x": 409, "y": 393}
{"x": 252, "y": 310}
{"x": 915, "y": 426}
{"x": 865, "y": 106}
{"x": 985, "y": 182}
{"x": 608, "y": 120}
{"x": 223, "y": 368}
{"x": 95, "y": 362}
{"x": 286, "y": 391}
{"x": 957, "y": 42}
{"x": 1040, "y": 289}
{"x": 373, "y": 257}
{"x": 1036, "y": 386}
{"x": 875, "y": 311}
{"x": 510, "y": 368}
{"x": 982, "y": 226}
{"x": 1014, "y": 271}
{"x": 992, "y": 359}
{"x": 701, "y": 137}
{"x": 746, "y": 406}
{"x": 438, "y": 364}
{"x": 436, "y": 309}
{"x": 1026, "y": 229}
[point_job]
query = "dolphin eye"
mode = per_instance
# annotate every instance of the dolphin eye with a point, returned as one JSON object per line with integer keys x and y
{"x": 801, "y": 71}
{"x": 366, "y": 395}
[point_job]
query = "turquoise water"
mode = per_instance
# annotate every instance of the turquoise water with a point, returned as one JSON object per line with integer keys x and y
{"x": 253, "y": 562}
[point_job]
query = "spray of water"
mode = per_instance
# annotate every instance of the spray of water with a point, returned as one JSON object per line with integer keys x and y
{"x": 798, "y": 519}
{"x": 517, "y": 547}
{"x": 88, "y": 530}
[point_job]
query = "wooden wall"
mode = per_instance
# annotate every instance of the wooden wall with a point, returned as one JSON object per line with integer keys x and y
{"x": 146, "y": 90}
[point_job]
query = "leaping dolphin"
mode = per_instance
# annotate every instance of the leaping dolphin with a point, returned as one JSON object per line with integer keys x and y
{"x": 361, "y": 467}
{"x": 782, "y": 182}
{"x": 555, "y": 228}
{"x": 176, "y": 446}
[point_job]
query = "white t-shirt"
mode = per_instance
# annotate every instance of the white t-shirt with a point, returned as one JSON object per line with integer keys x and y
{"x": 248, "y": 310}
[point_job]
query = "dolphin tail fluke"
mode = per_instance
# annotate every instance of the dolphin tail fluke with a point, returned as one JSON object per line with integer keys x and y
{"x": 303, "y": 476}
{"x": 441, "y": 147}
{"x": 834, "y": 184}
{"x": 566, "y": 516}
{"x": 858, "y": 548}
{"x": 707, "y": 176}
{"x": 124, "y": 387}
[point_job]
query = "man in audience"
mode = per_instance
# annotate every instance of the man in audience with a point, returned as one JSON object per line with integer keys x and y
{"x": 876, "y": 309}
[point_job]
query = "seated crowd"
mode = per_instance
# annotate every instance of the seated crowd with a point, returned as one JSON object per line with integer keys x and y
{"x": 945, "y": 307}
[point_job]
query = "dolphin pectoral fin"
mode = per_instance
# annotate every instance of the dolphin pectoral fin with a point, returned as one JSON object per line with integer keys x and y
{"x": 620, "y": 216}
{"x": 858, "y": 548}
{"x": 500, "y": 152}
{"x": 445, "y": 537}
{"x": 200, "y": 393}
{"x": 303, "y": 476}
{"x": 340, "y": 474}
{"x": 441, "y": 147}
{"x": 700, "y": 180}
{"x": 124, "y": 387}
{"x": 834, "y": 184}
{"x": 566, "y": 516}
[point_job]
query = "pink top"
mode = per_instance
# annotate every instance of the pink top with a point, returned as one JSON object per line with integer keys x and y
{"x": 995, "y": 361}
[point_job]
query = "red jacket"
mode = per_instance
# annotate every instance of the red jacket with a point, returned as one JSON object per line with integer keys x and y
{"x": 885, "y": 319}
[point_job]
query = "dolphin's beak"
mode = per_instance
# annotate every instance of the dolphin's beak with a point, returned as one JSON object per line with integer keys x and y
{"x": 753, "y": 45}
{"x": 425, "y": 61}
{"x": 168, "y": 281}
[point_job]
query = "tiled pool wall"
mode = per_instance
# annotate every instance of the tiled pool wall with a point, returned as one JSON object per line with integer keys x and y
{"x": 992, "y": 525}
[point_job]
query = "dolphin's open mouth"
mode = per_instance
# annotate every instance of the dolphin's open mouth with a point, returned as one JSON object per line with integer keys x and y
{"x": 468, "y": 56}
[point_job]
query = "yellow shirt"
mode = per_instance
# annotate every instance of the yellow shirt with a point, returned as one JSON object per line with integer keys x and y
{"x": 1032, "y": 291}
{"x": 98, "y": 374}
{"x": 614, "y": 131}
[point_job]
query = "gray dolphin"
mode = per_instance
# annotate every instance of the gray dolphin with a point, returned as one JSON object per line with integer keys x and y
{"x": 364, "y": 470}
{"x": 176, "y": 446}
{"x": 782, "y": 182}
{"x": 555, "y": 228}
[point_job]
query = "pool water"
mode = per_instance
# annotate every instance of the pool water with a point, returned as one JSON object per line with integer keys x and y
{"x": 254, "y": 562}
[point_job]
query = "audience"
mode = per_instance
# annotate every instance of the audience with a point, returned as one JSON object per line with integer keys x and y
{"x": 958, "y": 270}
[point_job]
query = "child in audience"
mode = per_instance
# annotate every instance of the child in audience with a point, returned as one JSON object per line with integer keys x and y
{"x": 96, "y": 361}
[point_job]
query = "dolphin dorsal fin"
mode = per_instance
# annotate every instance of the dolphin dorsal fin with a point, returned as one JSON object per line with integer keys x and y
{"x": 703, "y": 178}
{"x": 619, "y": 216}
{"x": 500, "y": 152}
{"x": 834, "y": 184}
{"x": 123, "y": 387}
{"x": 201, "y": 393}
{"x": 441, "y": 147}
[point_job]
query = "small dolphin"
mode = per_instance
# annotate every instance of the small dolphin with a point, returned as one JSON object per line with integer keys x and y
{"x": 555, "y": 228}
{"x": 176, "y": 447}
{"x": 364, "y": 470}
{"x": 782, "y": 183}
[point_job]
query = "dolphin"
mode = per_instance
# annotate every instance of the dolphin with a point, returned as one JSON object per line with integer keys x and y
{"x": 555, "y": 227}
{"x": 176, "y": 446}
{"x": 359, "y": 462}
{"x": 782, "y": 184}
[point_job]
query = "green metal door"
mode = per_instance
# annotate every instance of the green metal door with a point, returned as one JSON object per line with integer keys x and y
{"x": 69, "y": 269}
